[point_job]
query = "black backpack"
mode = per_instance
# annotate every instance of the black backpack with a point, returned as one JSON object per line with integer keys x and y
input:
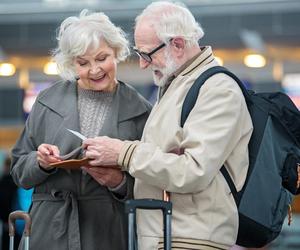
{"x": 274, "y": 161}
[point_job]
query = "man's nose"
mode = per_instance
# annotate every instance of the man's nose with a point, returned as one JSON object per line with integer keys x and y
{"x": 143, "y": 63}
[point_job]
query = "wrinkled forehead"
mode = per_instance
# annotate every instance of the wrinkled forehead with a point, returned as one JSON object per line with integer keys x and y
{"x": 145, "y": 35}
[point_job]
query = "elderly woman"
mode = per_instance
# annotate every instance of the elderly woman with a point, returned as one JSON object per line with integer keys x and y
{"x": 80, "y": 208}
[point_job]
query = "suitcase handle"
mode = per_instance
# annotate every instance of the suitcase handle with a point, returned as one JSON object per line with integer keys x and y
{"x": 165, "y": 206}
{"x": 132, "y": 205}
{"x": 19, "y": 215}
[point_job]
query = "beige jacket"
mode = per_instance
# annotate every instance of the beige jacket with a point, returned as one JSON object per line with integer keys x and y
{"x": 217, "y": 131}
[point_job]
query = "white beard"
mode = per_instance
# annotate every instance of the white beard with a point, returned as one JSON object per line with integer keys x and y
{"x": 166, "y": 72}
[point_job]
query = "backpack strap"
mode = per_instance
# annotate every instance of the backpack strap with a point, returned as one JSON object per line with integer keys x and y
{"x": 192, "y": 95}
{"x": 189, "y": 103}
{"x": 231, "y": 185}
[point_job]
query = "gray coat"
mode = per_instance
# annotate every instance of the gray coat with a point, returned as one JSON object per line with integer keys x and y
{"x": 72, "y": 211}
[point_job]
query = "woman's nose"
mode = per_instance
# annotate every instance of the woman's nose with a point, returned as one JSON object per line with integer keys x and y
{"x": 95, "y": 68}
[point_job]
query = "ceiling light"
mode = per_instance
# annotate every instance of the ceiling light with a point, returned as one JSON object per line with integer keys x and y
{"x": 255, "y": 61}
{"x": 7, "y": 69}
{"x": 50, "y": 68}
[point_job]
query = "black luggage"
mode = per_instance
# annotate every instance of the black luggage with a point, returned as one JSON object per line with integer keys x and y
{"x": 130, "y": 208}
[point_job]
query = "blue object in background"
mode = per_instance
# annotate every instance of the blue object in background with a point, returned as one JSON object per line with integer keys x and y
{"x": 23, "y": 203}
{"x": 2, "y": 159}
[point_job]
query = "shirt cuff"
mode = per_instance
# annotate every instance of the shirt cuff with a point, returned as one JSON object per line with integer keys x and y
{"x": 126, "y": 154}
{"x": 121, "y": 188}
{"x": 48, "y": 171}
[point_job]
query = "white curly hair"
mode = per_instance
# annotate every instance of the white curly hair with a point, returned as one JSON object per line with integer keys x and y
{"x": 77, "y": 34}
{"x": 171, "y": 19}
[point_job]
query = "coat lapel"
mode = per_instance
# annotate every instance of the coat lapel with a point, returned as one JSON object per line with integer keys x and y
{"x": 125, "y": 106}
{"x": 130, "y": 104}
{"x": 63, "y": 101}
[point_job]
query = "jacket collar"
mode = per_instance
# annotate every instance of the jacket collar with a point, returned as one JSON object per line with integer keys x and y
{"x": 203, "y": 58}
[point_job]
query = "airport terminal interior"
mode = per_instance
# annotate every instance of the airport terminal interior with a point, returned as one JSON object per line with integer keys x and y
{"x": 259, "y": 40}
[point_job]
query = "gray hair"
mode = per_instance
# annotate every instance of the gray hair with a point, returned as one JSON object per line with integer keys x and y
{"x": 77, "y": 34}
{"x": 170, "y": 20}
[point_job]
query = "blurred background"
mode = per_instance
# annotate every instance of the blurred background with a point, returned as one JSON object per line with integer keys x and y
{"x": 259, "y": 40}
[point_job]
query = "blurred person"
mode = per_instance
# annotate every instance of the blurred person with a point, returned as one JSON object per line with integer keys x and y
{"x": 80, "y": 209}
{"x": 8, "y": 201}
{"x": 183, "y": 161}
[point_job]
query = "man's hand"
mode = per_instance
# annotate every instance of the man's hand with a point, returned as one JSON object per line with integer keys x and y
{"x": 47, "y": 154}
{"x": 106, "y": 176}
{"x": 103, "y": 151}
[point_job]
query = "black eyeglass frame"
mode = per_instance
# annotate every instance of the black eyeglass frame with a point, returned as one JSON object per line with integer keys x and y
{"x": 147, "y": 56}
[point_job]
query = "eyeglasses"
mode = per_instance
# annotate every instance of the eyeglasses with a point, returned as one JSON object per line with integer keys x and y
{"x": 147, "y": 56}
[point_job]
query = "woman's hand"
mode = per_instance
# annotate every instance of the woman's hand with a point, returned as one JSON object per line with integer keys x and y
{"x": 103, "y": 151}
{"x": 106, "y": 176}
{"x": 47, "y": 154}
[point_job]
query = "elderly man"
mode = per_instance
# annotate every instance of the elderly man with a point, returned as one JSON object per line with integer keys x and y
{"x": 184, "y": 161}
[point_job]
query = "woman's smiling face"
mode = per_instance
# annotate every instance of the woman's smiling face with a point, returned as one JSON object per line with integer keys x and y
{"x": 97, "y": 68}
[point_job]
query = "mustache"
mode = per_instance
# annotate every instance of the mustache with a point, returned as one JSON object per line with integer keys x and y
{"x": 155, "y": 68}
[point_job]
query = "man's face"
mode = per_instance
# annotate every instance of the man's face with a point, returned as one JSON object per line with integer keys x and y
{"x": 161, "y": 75}
{"x": 162, "y": 64}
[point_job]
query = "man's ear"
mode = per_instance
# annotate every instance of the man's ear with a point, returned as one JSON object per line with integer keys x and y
{"x": 179, "y": 45}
